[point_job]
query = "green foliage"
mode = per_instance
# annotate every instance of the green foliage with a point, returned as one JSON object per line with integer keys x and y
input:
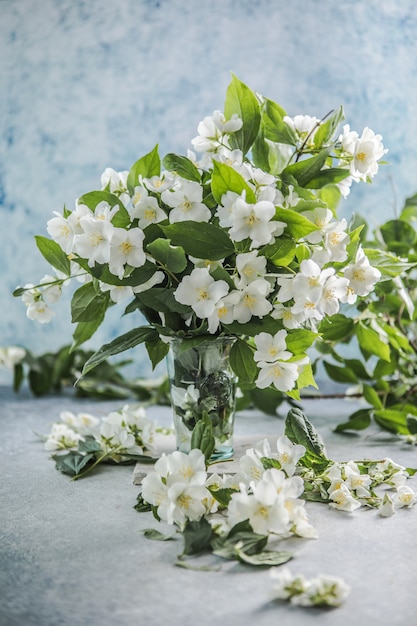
{"x": 382, "y": 327}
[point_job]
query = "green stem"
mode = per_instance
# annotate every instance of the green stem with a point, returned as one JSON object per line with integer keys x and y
{"x": 97, "y": 462}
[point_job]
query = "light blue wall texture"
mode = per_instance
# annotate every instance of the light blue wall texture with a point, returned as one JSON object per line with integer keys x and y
{"x": 86, "y": 85}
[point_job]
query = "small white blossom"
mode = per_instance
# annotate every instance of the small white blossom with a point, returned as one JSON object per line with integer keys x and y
{"x": 186, "y": 202}
{"x": 61, "y": 437}
{"x": 201, "y": 292}
{"x": 361, "y": 275}
{"x": 11, "y": 356}
{"x": 126, "y": 248}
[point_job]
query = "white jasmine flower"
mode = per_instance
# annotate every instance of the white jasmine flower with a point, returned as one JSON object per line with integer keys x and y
{"x": 158, "y": 184}
{"x": 186, "y": 200}
{"x": 271, "y": 348}
{"x": 224, "y": 311}
{"x": 253, "y": 301}
{"x": 184, "y": 502}
{"x": 40, "y": 311}
{"x": 140, "y": 193}
{"x": 251, "y": 465}
{"x": 322, "y": 218}
{"x": 250, "y": 267}
{"x": 225, "y": 210}
{"x": 148, "y": 212}
{"x": 368, "y": 150}
{"x": 281, "y": 374}
{"x": 201, "y": 292}
{"x": 287, "y": 315}
{"x": 118, "y": 293}
{"x": 357, "y": 482}
{"x": 154, "y": 491}
{"x": 114, "y": 181}
{"x": 323, "y": 591}
{"x": 288, "y": 454}
{"x": 343, "y": 500}
{"x": 126, "y": 247}
{"x": 404, "y": 497}
{"x": 211, "y": 130}
{"x": 309, "y": 282}
{"x": 61, "y": 231}
{"x": 61, "y": 438}
{"x": 52, "y": 289}
{"x": 361, "y": 275}
{"x": 304, "y": 126}
{"x": 190, "y": 467}
{"x": 285, "y": 585}
{"x": 336, "y": 240}
{"x": 288, "y": 201}
{"x": 334, "y": 291}
{"x": 94, "y": 243}
{"x": 11, "y": 356}
{"x": 254, "y": 221}
{"x": 83, "y": 423}
{"x": 386, "y": 508}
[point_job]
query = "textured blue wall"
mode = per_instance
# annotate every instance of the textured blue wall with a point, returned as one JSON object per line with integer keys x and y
{"x": 86, "y": 85}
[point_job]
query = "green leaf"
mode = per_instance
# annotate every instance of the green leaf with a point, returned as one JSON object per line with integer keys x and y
{"x": 141, "y": 505}
{"x": 200, "y": 239}
{"x": 412, "y": 424}
{"x": 273, "y": 125}
{"x": 161, "y": 299}
{"x": 241, "y": 100}
{"x": 73, "y": 462}
{"x": 54, "y": 254}
{"x": 340, "y": 374}
{"x": 147, "y": 166}
{"x": 197, "y": 536}
{"x": 202, "y": 437}
{"x": 91, "y": 199}
{"x": 336, "y": 327}
{"x": 268, "y": 558}
{"x": 299, "y": 430}
{"x": 329, "y": 176}
{"x": 172, "y": 257}
{"x": 226, "y": 178}
{"x": 120, "y": 344}
{"x": 388, "y": 264}
{"x": 84, "y": 330}
{"x": 372, "y": 397}
{"x": 298, "y": 226}
{"x": 308, "y": 169}
{"x": 299, "y": 340}
{"x": 357, "y": 421}
{"x": 281, "y": 252}
{"x": 89, "y": 445}
{"x": 267, "y": 400}
{"x": 87, "y": 305}
{"x": 398, "y": 235}
{"x": 371, "y": 343}
{"x": 157, "y": 351}
{"x": 156, "y": 535}
{"x": 393, "y": 420}
{"x": 325, "y": 131}
{"x": 137, "y": 276}
{"x": 242, "y": 361}
{"x": 182, "y": 166}
{"x": 243, "y": 535}
{"x": 223, "y": 496}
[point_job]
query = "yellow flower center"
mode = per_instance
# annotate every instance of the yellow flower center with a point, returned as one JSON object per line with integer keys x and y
{"x": 361, "y": 156}
{"x": 184, "y": 501}
{"x": 150, "y": 214}
{"x": 202, "y": 294}
{"x": 126, "y": 247}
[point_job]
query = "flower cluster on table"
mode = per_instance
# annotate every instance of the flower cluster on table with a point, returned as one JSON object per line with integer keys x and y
{"x": 236, "y": 515}
{"x": 243, "y": 241}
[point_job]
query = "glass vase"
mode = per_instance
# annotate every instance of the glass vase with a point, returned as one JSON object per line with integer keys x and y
{"x": 202, "y": 382}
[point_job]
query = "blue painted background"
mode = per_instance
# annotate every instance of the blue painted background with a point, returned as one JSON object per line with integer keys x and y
{"x": 87, "y": 85}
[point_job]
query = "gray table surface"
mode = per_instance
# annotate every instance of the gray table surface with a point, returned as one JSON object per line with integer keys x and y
{"x": 73, "y": 553}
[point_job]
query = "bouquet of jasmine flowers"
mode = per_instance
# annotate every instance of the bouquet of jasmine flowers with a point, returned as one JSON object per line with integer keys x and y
{"x": 240, "y": 238}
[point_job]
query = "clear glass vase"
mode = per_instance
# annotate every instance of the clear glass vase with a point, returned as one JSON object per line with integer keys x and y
{"x": 202, "y": 382}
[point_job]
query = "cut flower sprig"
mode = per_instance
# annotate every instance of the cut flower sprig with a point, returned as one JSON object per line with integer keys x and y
{"x": 242, "y": 240}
